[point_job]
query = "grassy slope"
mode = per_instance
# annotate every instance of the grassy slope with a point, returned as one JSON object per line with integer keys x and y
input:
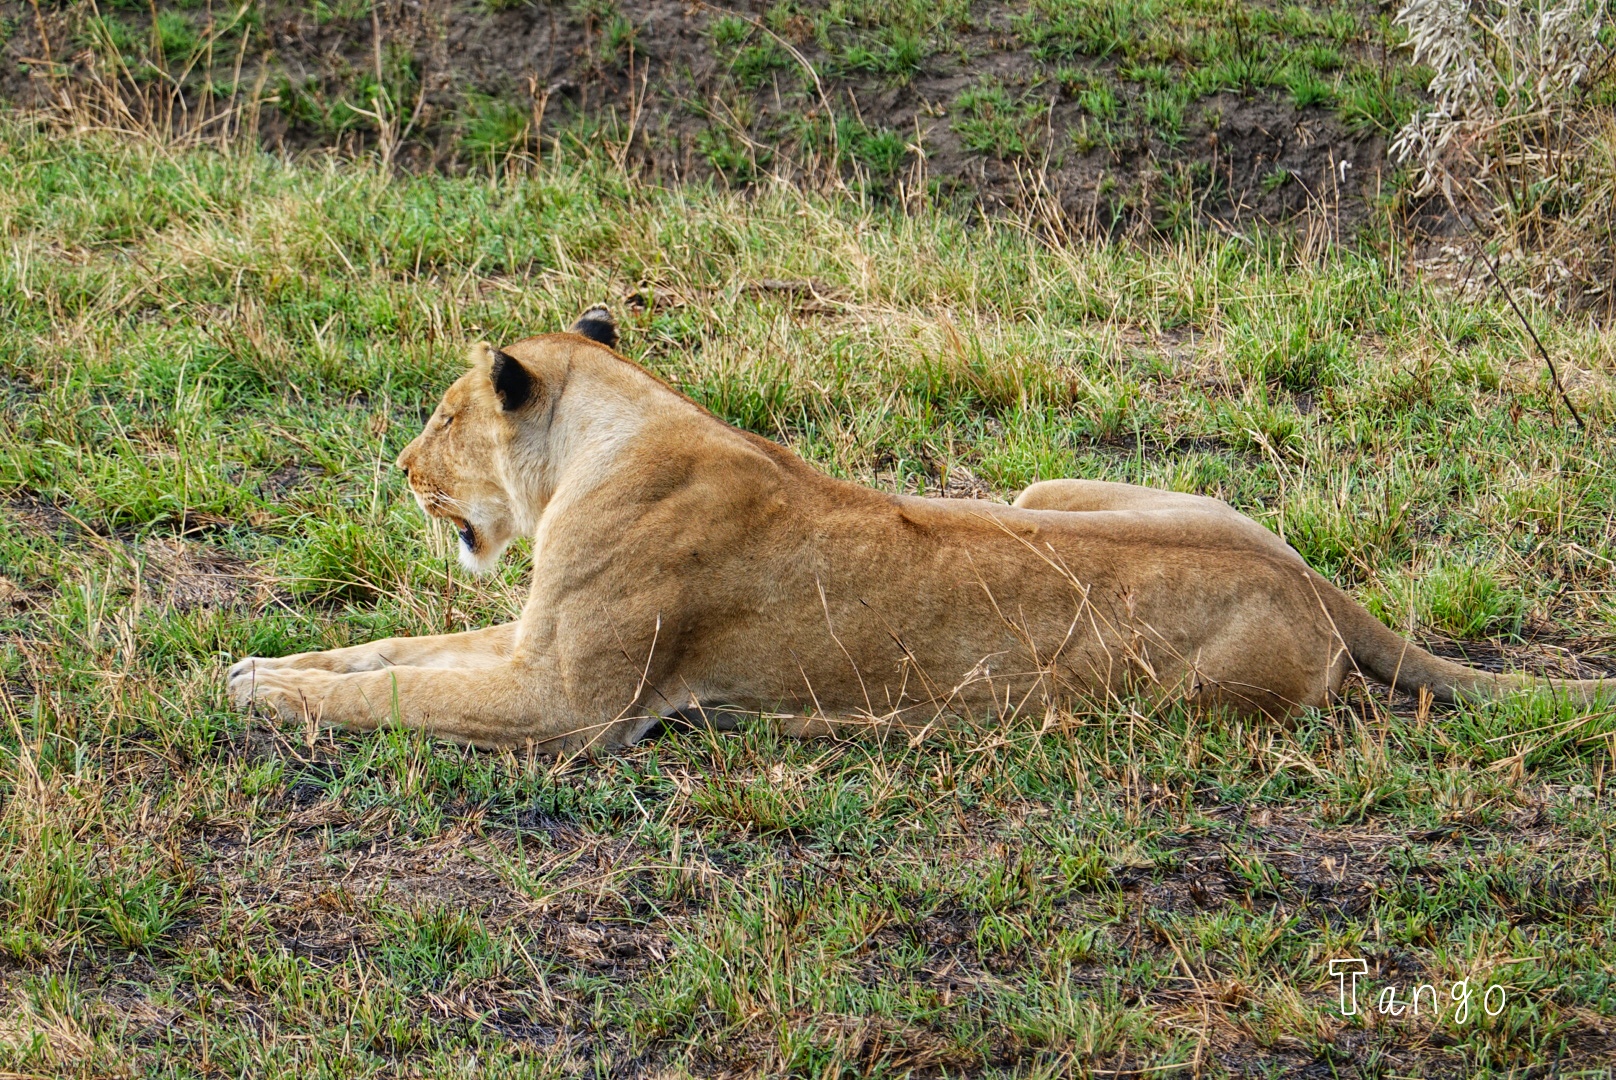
{"x": 206, "y": 365}
{"x": 1129, "y": 112}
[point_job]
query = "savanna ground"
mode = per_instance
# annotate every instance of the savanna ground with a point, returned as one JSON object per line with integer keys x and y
{"x": 208, "y": 359}
{"x": 1127, "y": 114}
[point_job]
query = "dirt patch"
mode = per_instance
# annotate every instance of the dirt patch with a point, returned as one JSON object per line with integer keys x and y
{"x": 1548, "y": 655}
{"x": 962, "y": 483}
{"x": 188, "y": 576}
{"x": 987, "y": 103}
{"x": 40, "y": 517}
{"x": 288, "y": 478}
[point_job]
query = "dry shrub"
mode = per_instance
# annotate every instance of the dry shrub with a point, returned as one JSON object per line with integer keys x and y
{"x": 1520, "y": 136}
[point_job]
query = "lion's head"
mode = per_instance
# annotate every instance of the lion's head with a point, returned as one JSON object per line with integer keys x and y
{"x": 473, "y": 463}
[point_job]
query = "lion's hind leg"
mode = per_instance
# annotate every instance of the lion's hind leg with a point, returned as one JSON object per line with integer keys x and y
{"x": 1087, "y": 496}
{"x": 1176, "y": 507}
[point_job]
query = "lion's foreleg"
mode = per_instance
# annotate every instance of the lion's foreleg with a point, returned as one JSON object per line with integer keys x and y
{"x": 467, "y": 649}
{"x": 496, "y": 705}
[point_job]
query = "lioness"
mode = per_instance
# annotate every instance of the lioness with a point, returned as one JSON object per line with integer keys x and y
{"x": 679, "y": 562}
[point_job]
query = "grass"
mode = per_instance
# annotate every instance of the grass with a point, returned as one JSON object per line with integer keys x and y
{"x": 992, "y": 118}
{"x": 1325, "y": 54}
{"x": 207, "y": 362}
{"x": 887, "y": 39}
{"x": 494, "y": 128}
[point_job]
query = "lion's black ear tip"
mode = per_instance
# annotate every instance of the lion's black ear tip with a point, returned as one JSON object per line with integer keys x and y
{"x": 513, "y": 384}
{"x": 597, "y": 324}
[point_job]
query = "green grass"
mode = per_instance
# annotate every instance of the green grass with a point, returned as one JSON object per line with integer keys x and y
{"x": 1321, "y": 54}
{"x": 207, "y": 363}
{"x": 617, "y": 41}
{"x": 897, "y": 54}
{"x": 995, "y": 119}
{"x": 884, "y": 37}
{"x": 493, "y": 128}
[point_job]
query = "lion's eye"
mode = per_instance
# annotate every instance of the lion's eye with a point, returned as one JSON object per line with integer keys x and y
{"x": 447, "y": 420}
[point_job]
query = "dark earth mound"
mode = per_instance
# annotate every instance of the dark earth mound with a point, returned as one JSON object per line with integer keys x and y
{"x": 1120, "y": 113}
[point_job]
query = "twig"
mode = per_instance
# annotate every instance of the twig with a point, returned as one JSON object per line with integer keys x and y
{"x": 1481, "y": 252}
{"x": 1598, "y": 73}
{"x": 386, "y": 120}
{"x": 44, "y": 38}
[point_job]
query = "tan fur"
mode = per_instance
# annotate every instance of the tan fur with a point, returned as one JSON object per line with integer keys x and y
{"x": 680, "y": 562}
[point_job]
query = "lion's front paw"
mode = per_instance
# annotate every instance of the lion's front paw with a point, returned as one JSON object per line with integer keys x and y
{"x": 289, "y": 695}
{"x": 254, "y": 678}
{"x": 247, "y": 666}
{"x": 303, "y": 661}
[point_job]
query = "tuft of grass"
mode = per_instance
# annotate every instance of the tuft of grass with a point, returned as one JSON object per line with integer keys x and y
{"x": 617, "y": 39}
{"x": 1100, "y": 103}
{"x": 880, "y": 151}
{"x": 176, "y": 35}
{"x": 1375, "y": 105}
{"x": 493, "y": 128}
{"x": 109, "y": 34}
{"x": 728, "y": 31}
{"x": 729, "y": 155}
{"x": 1164, "y": 110}
{"x": 1457, "y": 599}
{"x": 339, "y": 11}
{"x": 1307, "y": 88}
{"x": 991, "y": 119}
{"x": 1063, "y": 29}
{"x": 897, "y": 54}
{"x": 754, "y": 64}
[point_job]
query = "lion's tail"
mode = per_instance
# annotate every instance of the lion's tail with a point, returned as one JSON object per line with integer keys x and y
{"x": 1394, "y": 660}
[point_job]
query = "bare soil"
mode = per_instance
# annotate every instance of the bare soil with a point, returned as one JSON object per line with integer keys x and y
{"x": 669, "y": 103}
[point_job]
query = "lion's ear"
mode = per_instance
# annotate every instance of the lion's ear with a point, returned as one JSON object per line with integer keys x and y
{"x": 596, "y": 324}
{"x": 513, "y": 383}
